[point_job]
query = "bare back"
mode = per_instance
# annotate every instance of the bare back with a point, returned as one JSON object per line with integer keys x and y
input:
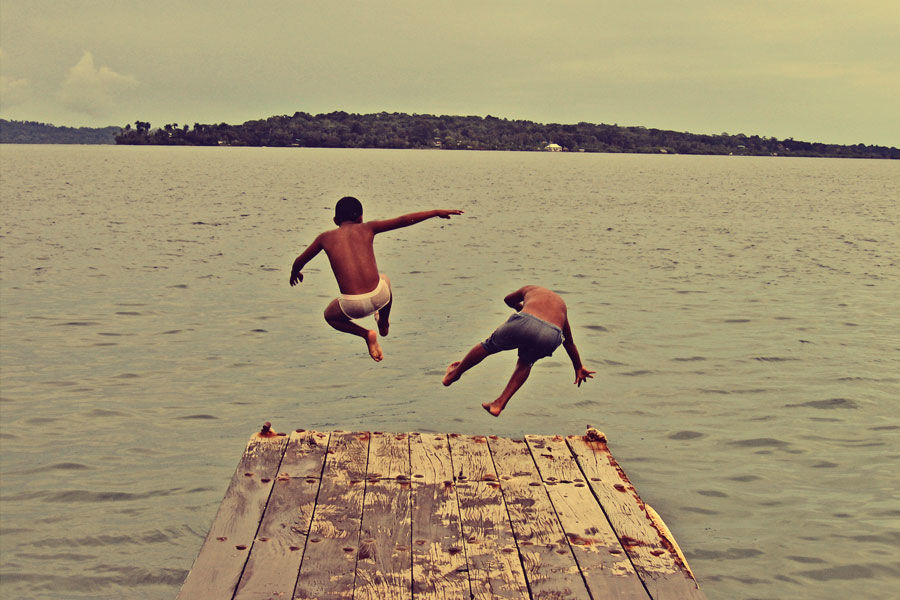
{"x": 352, "y": 257}
{"x": 543, "y": 304}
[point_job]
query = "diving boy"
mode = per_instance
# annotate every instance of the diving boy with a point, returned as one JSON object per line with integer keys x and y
{"x": 364, "y": 291}
{"x": 538, "y": 327}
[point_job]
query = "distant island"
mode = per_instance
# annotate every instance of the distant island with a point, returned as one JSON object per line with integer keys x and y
{"x": 399, "y": 130}
{"x": 30, "y": 132}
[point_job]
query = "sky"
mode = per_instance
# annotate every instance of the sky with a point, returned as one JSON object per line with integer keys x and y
{"x": 814, "y": 70}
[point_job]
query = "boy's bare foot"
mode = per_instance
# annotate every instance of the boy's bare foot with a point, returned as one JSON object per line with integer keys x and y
{"x": 374, "y": 347}
{"x": 489, "y": 406}
{"x": 451, "y": 374}
{"x": 384, "y": 324}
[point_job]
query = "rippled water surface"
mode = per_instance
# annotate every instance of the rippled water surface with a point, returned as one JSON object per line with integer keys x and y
{"x": 741, "y": 314}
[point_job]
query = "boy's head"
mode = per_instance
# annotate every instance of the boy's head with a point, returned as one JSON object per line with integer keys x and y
{"x": 348, "y": 208}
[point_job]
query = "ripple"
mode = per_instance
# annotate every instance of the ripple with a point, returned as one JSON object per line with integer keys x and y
{"x": 829, "y": 404}
{"x": 712, "y": 493}
{"x": 686, "y": 435}
{"x": 126, "y": 577}
{"x": 201, "y": 417}
{"x": 774, "y": 358}
{"x": 689, "y": 358}
{"x": 700, "y": 511}
{"x": 69, "y": 466}
{"x": 729, "y": 554}
{"x": 105, "y": 412}
{"x": 637, "y": 373}
{"x": 595, "y": 327}
{"x": 843, "y": 572}
{"x": 105, "y": 496}
{"x": 760, "y": 443}
{"x": 805, "y": 559}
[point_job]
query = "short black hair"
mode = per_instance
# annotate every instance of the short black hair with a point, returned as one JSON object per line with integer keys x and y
{"x": 347, "y": 208}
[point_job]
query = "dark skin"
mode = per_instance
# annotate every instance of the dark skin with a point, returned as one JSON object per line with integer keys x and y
{"x": 351, "y": 254}
{"x": 545, "y": 305}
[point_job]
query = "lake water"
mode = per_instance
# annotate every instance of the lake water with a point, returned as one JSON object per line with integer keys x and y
{"x": 741, "y": 314}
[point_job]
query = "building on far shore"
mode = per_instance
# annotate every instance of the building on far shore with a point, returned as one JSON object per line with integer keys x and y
{"x": 551, "y": 147}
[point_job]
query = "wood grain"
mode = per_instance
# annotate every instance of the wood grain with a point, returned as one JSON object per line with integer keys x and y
{"x": 219, "y": 564}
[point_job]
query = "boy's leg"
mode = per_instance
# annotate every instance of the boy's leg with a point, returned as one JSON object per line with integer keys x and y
{"x": 472, "y": 358}
{"x": 520, "y": 374}
{"x": 337, "y": 319}
{"x": 384, "y": 313}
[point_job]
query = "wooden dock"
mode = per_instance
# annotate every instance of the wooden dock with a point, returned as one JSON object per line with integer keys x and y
{"x": 318, "y": 515}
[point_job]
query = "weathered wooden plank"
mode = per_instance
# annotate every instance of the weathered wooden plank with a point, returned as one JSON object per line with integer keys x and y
{"x": 605, "y": 566}
{"x": 430, "y": 458}
{"x": 304, "y": 454}
{"x": 384, "y": 563}
{"x": 218, "y": 566}
{"x": 274, "y": 562}
{"x": 554, "y": 459}
{"x": 471, "y": 458}
{"x": 654, "y": 554}
{"x": 388, "y": 456}
{"x": 329, "y": 562}
{"x": 495, "y": 569}
{"x": 439, "y": 569}
{"x": 548, "y": 560}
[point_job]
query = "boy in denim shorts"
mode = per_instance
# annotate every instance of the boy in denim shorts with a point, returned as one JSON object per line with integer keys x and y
{"x": 539, "y": 326}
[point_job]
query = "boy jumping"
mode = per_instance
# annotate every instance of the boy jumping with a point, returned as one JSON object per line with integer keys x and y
{"x": 364, "y": 291}
{"x": 537, "y": 329}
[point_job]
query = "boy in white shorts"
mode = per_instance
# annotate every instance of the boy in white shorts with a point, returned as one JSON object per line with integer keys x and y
{"x": 364, "y": 291}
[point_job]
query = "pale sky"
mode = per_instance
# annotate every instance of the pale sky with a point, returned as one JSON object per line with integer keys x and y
{"x": 814, "y": 70}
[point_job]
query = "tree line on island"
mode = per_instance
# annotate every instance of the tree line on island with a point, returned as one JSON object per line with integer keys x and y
{"x": 31, "y": 132}
{"x": 399, "y": 130}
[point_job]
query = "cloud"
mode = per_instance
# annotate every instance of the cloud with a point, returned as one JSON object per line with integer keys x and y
{"x": 94, "y": 91}
{"x": 12, "y": 90}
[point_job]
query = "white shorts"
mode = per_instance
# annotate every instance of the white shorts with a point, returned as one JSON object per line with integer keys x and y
{"x": 357, "y": 306}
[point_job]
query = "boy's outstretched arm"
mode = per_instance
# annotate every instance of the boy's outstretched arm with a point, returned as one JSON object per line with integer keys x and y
{"x": 410, "y": 219}
{"x": 305, "y": 257}
{"x": 581, "y": 374}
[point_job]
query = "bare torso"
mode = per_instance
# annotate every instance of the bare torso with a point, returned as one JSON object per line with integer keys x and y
{"x": 544, "y": 304}
{"x": 352, "y": 257}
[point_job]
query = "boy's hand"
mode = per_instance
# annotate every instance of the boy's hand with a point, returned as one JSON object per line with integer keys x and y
{"x": 296, "y": 278}
{"x": 582, "y": 374}
{"x": 445, "y": 214}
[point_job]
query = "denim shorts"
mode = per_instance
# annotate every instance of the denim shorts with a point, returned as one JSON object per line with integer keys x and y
{"x": 534, "y": 337}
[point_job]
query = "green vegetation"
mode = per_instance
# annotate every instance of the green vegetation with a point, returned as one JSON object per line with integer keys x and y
{"x": 399, "y": 130}
{"x": 29, "y": 132}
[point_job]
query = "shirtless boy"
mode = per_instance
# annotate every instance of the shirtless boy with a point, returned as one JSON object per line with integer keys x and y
{"x": 537, "y": 329}
{"x": 364, "y": 291}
